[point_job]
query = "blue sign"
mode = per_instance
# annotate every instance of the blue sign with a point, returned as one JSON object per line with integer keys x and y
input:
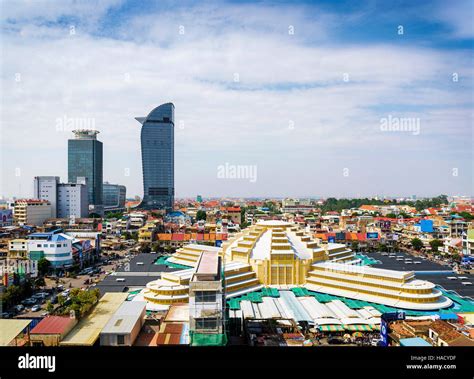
{"x": 426, "y": 226}
{"x": 385, "y": 319}
{"x": 332, "y": 239}
{"x": 383, "y": 333}
{"x": 373, "y": 235}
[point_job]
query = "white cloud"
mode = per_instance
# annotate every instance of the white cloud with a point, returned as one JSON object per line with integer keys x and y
{"x": 284, "y": 80}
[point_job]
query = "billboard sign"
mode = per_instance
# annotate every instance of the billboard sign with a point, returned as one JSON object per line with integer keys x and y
{"x": 383, "y": 332}
{"x": 6, "y": 217}
{"x": 372, "y": 236}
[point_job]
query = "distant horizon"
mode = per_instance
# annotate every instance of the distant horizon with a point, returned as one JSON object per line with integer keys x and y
{"x": 295, "y": 197}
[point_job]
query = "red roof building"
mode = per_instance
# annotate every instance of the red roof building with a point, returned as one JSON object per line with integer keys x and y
{"x": 51, "y": 330}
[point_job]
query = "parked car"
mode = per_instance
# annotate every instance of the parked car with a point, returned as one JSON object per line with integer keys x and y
{"x": 19, "y": 308}
{"x": 375, "y": 341}
{"x": 54, "y": 299}
{"x": 35, "y": 308}
{"x": 6, "y": 315}
{"x": 29, "y": 301}
{"x": 335, "y": 341}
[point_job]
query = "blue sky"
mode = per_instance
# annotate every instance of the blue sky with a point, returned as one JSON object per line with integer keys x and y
{"x": 306, "y": 108}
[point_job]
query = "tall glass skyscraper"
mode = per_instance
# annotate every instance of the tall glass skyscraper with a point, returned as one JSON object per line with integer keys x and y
{"x": 114, "y": 195}
{"x": 85, "y": 160}
{"x": 157, "y": 140}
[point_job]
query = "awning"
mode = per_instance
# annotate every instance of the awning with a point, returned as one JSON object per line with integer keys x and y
{"x": 358, "y": 328}
{"x": 331, "y": 328}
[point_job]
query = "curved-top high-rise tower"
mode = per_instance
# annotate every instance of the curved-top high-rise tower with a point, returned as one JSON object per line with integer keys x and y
{"x": 157, "y": 141}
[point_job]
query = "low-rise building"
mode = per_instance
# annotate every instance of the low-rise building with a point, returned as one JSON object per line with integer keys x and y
{"x": 55, "y": 246}
{"x": 125, "y": 325}
{"x": 147, "y": 233}
{"x": 468, "y": 243}
{"x": 137, "y": 219}
{"x": 206, "y": 299}
{"x": 302, "y": 206}
{"x": 18, "y": 249}
{"x": 31, "y": 211}
{"x": 87, "y": 331}
{"x": 51, "y": 330}
{"x": 442, "y": 333}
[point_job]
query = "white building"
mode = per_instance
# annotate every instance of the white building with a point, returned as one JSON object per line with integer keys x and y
{"x": 137, "y": 219}
{"x": 46, "y": 188}
{"x": 125, "y": 325}
{"x": 72, "y": 200}
{"x": 55, "y": 247}
{"x": 468, "y": 243}
{"x": 66, "y": 199}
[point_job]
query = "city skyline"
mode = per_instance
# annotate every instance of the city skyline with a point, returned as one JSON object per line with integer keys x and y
{"x": 312, "y": 104}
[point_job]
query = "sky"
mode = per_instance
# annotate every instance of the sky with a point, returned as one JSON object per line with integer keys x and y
{"x": 273, "y": 99}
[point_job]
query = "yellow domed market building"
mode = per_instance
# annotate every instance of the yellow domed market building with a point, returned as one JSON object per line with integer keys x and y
{"x": 282, "y": 255}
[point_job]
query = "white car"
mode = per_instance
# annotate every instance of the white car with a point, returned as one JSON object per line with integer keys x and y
{"x": 35, "y": 308}
{"x": 375, "y": 341}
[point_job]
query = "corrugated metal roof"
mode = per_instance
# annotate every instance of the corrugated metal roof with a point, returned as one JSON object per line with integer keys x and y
{"x": 89, "y": 328}
{"x": 53, "y": 325}
{"x": 9, "y": 329}
{"x": 125, "y": 318}
{"x": 294, "y": 306}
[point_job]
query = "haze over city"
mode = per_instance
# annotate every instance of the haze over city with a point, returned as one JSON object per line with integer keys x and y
{"x": 300, "y": 93}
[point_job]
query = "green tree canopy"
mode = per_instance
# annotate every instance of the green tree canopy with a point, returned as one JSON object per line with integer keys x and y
{"x": 201, "y": 215}
{"x": 417, "y": 244}
{"x": 435, "y": 244}
{"x": 44, "y": 266}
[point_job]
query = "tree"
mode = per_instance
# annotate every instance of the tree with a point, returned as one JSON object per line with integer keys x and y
{"x": 12, "y": 295}
{"x": 40, "y": 282}
{"x": 381, "y": 247}
{"x": 467, "y": 216}
{"x": 456, "y": 257}
{"x": 44, "y": 266}
{"x": 61, "y": 300}
{"x": 81, "y": 301}
{"x": 435, "y": 244}
{"x": 355, "y": 245}
{"x": 417, "y": 244}
{"x": 145, "y": 248}
{"x": 116, "y": 215}
{"x": 49, "y": 307}
{"x": 201, "y": 215}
